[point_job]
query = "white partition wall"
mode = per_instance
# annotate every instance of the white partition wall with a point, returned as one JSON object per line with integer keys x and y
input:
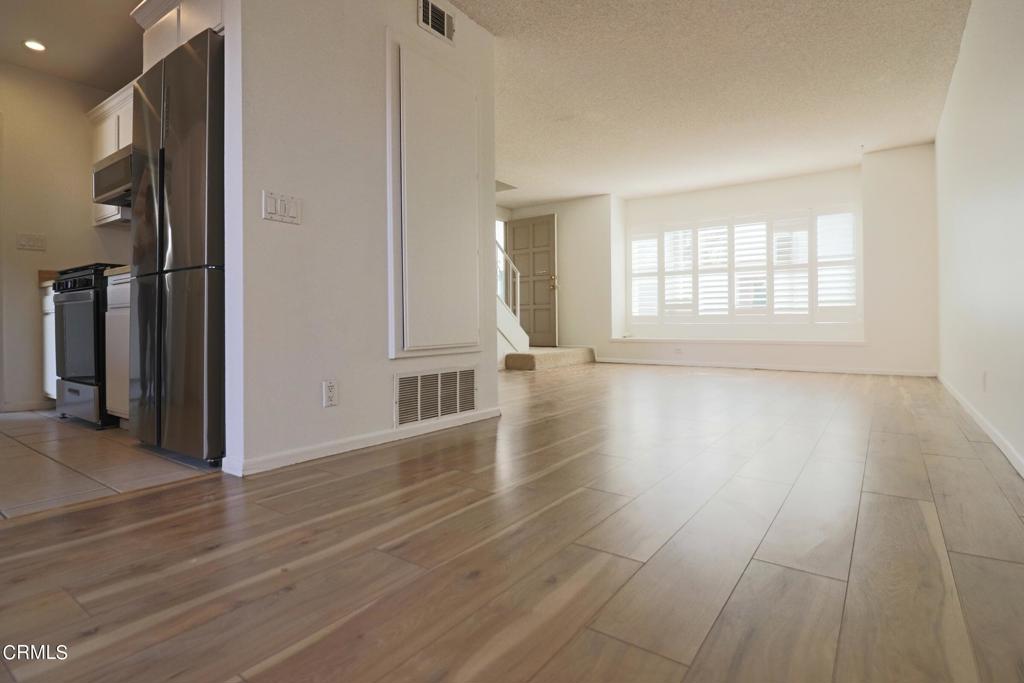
{"x": 980, "y": 167}
{"x": 311, "y": 117}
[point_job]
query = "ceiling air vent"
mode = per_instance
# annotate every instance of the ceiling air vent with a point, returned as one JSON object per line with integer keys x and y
{"x": 432, "y": 395}
{"x": 434, "y": 19}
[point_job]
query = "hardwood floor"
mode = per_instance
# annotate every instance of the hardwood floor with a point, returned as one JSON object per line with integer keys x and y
{"x": 618, "y": 523}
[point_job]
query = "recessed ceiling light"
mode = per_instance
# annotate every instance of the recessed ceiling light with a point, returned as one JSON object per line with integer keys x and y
{"x": 35, "y": 45}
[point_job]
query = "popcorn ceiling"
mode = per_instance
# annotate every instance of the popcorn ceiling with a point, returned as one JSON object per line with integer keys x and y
{"x": 639, "y": 97}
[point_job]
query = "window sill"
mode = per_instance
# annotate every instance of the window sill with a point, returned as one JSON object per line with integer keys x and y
{"x": 733, "y": 340}
{"x": 801, "y": 332}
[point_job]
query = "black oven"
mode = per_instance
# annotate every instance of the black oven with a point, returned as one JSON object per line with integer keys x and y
{"x": 79, "y": 301}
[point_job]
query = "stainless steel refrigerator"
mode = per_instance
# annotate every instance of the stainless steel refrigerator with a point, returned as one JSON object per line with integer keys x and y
{"x": 177, "y": 306}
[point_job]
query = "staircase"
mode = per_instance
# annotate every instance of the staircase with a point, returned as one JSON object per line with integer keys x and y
{"x": 541, "y": 358}
{"x": 514, "y": 350}
{"x": 511, "y": 336}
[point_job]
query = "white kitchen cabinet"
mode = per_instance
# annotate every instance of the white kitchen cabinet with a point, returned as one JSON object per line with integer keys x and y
{"x": 112, "y": 130}
{"x": 118, "y": 331}
{"x": 170, "y": 23}
{"x": 104, "y": 137}
{"x": 49, "y": 344}
{"x": 104, "y": 143}
{"x": 124, "y": 121}
{"x": 199, "y": 15}
{"x": 161, "y": 38}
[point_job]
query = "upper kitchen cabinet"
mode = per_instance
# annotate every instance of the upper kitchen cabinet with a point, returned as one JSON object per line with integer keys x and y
{"x": 111, "y": 131}
{"x": 170, "y": 23}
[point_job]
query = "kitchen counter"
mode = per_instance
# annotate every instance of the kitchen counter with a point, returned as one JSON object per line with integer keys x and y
{"x": 120, "y": 270}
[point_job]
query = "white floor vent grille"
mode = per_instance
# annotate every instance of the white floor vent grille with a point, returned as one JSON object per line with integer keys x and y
{"x": 433, "y": 395}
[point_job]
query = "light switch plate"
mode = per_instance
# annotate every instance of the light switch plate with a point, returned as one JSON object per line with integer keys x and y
{"x": 282, "y": 208}
{"x": 30, "y": 242}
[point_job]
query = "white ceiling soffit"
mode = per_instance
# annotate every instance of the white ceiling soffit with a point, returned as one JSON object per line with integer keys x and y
{"x": 92, "y": 42}
{"x": 652, "y": 96}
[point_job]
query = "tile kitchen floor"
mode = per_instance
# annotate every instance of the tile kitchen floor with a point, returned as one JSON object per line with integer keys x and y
{"x": 48, "y": 462}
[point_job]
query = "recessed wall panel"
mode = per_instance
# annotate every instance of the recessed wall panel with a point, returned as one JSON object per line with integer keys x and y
{"x": 440, "y": 231}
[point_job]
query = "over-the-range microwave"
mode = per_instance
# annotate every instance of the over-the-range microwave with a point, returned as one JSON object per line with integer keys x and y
{"x": 112, "y": 179}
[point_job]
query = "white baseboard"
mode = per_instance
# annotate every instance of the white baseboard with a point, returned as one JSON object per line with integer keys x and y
{"x": 1012, "y": 454}
{"x": 769, "y": 366}
{"x": 272, "y": 461}
{"x": 45, "y": 404}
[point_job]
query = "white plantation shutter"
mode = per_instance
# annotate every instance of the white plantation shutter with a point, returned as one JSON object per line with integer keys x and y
{"x": 790, "y": 242}
{"x": 645, "y": 255}
{"x": 678, "y": 250}
{"x": 679, "y": 294}
{"x": 713, "y": 293}
{"x": 678, "y": 272}
{"x": 645, "y": 296}
{"x": 751, "y": 245}
{"x": 835, "y": 237}
{"x": 644, "y": 269}
{"x": 837, "y": 272}
{"x": 713, "y": 246}
{"x": 790, "y": 252}
{"x": 750, "y": 265}
{"x": 712, "y": 269}
{"x": 790, "y": 291}
{"x": 751, "y": 291}
{"x": 837, "y": 286}
{"x": 799, "y": 268}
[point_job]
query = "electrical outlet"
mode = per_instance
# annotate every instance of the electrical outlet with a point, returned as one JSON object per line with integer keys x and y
{"x": 984, "y": 381}
{"x": 330, "y": 389}
{"x": 30, "y": 242}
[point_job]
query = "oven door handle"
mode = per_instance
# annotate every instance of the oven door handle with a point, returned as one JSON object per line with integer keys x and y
{"x": 73, "y": 297}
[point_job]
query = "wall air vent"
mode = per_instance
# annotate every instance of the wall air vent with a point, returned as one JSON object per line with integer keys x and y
{"x": 432, "y": 395}
{"x": 434, "y": 19}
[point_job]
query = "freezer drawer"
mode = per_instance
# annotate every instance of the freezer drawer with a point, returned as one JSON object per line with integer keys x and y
{"x": 78, "y": 400}
{"x": 192, "y": 367}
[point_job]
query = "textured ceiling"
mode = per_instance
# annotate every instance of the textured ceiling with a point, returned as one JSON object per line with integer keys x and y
{"x": 93, "y": 42}
{"x": 641, "y": 97}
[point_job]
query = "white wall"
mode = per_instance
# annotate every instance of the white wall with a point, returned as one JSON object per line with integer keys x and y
{"x": 308, "y": 303}
{"x": 897, "y": 195}
{"x": 45, "y": 188}
{"x": 980, "y": 169}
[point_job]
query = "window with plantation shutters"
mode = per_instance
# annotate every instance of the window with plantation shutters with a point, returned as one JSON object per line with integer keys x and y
{"x": 750, "y": 267}
{"x": 790, "y": 252}
{"x": 837, "y": 268}
{"x": 678, "y": 273}
{"x": 713, "y": 270}
{"x": 797, "y": 270}
{"x": 644, "y": 269}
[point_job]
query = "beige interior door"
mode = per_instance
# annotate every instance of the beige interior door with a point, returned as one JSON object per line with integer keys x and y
{"x": 531, "y": 244}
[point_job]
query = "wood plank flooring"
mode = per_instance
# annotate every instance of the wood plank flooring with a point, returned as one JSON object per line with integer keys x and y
{"x": 617, "y": 523}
